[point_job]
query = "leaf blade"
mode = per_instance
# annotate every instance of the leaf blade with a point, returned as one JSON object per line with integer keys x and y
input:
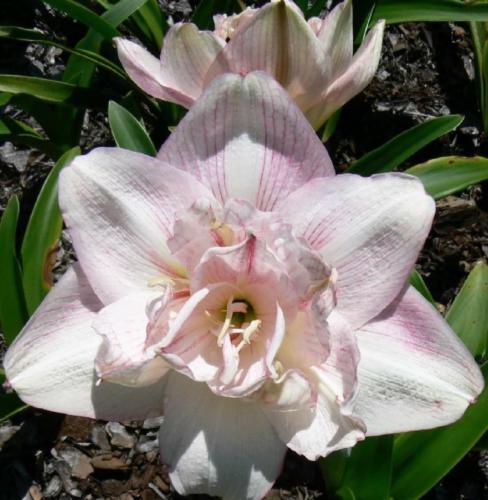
{"x": 421, "y": 459}
{"x": 395, "y": 151}
{"x": 127, "y": 130}
{"x": 13, "y": 311}
{"x": 450, "y": 174}
{"x": 468, "y": 314}
{"x": 400, "y": 11}
{"x": 41, "y": 236}
{"x": 86, "y": 16}
{"x": 418, "y": 282}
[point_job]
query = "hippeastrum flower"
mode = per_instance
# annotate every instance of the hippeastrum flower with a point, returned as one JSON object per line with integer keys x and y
{"x": 312, "y": 60}
{"x": 240, "y": 287}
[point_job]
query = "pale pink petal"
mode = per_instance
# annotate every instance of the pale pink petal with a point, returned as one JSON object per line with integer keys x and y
{"x": 145, "y": 70}
{"x": 252, "y": 268}
{"x": 190, "y": 345}
{"x": 292, "y": 391}
{"x": 305, "y": 345}
{"x": 123, "y": 357}
{"x": 339, "y": 371}
{"x": 219, "y": 446}
{"x": 327, "y": 354}
{"x": 120, "y": 207}
{"x": 278, "y": 41}
{"x": 193, "y": 234}
{"x": 336, "y": 37}
{"x": 185, "y": 59}
{"x": 328, "y": 346}
{"x": 414, "y": 373}
{"x": 370, "y": 229}
{"x": 353, "y": 79}
{"x": 51, "y": 364}
{"x": 315, "y": 23}
{"x": 256, "y": 360}
{"x": 305, "y": 270}
{"x": 245, "y": 264}
{"x": 227, "y": 26}
{"x": 316, "y": 432}
{"x": 245, "y": 138}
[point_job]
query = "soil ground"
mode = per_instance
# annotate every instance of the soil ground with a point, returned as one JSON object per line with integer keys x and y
{"x": 427, "y": 70}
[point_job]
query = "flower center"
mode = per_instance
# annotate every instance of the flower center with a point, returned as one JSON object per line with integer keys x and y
{"x": 237, "y": 320}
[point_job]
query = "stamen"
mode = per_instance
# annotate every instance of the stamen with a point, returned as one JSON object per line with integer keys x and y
{"x": 161, "y": 280}
{"x": 167, "y": 281}
{"x": 227, "y": 322}
{"x": 278, "y": 368}
{"x": 222, "y": 233}
{"x": 253, "y": 327}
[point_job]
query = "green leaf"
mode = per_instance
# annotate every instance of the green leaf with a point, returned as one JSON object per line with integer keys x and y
{"x": 482, "y": 444}
{"x": 468, "y": 314}
{"x": 86, "y": 16}
{"x": 421, "y": 459}
{"x": 449, "y": 174}
{"x": 316, "y": 8}
{"x": 41, "y": 237}
{"x": 13, "y": 313}
{"x": 4, "y": 98}
{"x": 364, "y": 474}
{"x": 48, "y": 115}
{"x": 480, "y": 35}
{"x": 330, "y": 126}
{"x": 391, "y": 154}
{"x": 151, "y": 15}
{"x": 418, "y": 282}
{"x": 18, "y": 132}
{"x": 127, "y": 130}
{"x": 203, "y": 15}
{"x": 303, "y": 4}
{"x": 49, "y": 90}
{"x": 10, "y": 404}
{"x": 401, "y": 11}
{"x": 10, "y": 126}
{"x": 368, "y": 472}
{"x": 80, "y": 71}
{"x": 27, "y": 35}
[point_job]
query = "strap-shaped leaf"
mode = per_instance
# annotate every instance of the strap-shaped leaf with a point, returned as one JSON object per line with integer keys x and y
{"x": 21, "y": 133}
{"x": 203, "y": 14}
{"x": 479, "y": 31}
{"x": 128, "y": 131}
{"x": 28, "y": 35}
{"x": 49, "y": 90}
{"x": 41, "y": 237}
{"x": 394, "y": 152}
{"x": 10, "y": 404}
{"x": 401, "y": 11}
{"x": 421, "y": 459}
{"x": 364, "y": 473}
{"x": 85, "y": 16}
{"x": 13, "y": 312}
{"x": 418, "y": 282}
{"x": 150, "y": 16}
{"x": 468, "y": 314}
{"x": 449, "y": 174}
{"x": 316, "y": 8}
